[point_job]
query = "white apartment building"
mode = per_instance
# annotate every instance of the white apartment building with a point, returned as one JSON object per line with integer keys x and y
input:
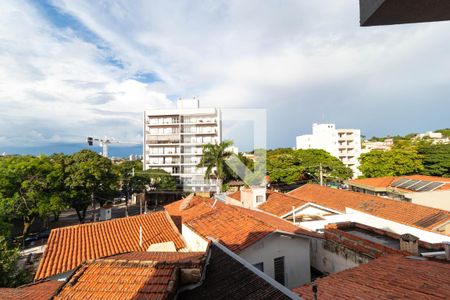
{"x": 344, "y": 144}
{"x": 173, "y": 140}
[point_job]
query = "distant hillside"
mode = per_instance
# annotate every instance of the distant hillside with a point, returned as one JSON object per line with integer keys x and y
{"x": 445, "y": 133}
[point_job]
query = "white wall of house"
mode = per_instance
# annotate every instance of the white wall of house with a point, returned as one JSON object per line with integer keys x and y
{"x": 435, "y": 199}
{"x": 252, "y": 197}
{"x": 296, "y": 252}
{"x": 193, "y": 241}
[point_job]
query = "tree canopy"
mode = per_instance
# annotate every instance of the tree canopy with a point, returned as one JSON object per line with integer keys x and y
{"x": 436, "y": 160}
{"x": 289, "y": 166}
{"x": 395, "y": 162}
{"x": 28, "y": 188}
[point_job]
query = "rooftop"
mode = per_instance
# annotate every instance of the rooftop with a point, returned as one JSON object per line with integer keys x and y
{"x": 393, "y": 181}
{"x": 372, "y": 242}
{"x": 137, "y": 275}
{"x": 38, "y": 290}
{"x": 235, "y": 227}
{"x": 410, "y": 214}
{"x": 389, "y": 277}
{"x": 68, "y": 247}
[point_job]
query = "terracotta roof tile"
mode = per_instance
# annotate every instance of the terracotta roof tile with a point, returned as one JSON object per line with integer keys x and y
{"x": 235, "y": 227}
{"x": 388, "y": 277}
{"x": 385, "y": 182}
{"x": 69, "y": 246}
{"x": 398, "y": 211}
{"x": 280, "y": 204}
{"x": 236, "y": 195}
{"x": 121, "y": 280}
{"x": 39, "y": 290}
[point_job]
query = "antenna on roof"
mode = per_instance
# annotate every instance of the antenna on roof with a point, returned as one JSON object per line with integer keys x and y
{"x": 140, "y": 236}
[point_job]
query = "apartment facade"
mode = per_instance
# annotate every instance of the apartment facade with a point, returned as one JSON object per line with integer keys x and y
{"x": 345, "y": 144}
{"x": 173, "y": 140}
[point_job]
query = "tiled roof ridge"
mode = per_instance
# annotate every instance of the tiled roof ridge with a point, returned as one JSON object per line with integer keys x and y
{"x": 247, "y": 216}
{"x": 283, "y": 194}
{"x": 107, "y": 221}
{"x": 370, "y": 197}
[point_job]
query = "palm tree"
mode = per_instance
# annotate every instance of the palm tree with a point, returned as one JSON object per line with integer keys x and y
{"x": 213, "y": 159}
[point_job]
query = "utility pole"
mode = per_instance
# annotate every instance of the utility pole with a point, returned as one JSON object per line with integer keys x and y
{"x": 321, "y": 174}
{"x": 93, "y": 206}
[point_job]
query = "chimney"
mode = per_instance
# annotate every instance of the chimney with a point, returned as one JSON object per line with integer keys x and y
{"x": 447, "y": 250}
{"x": 140, "y": 236}
{"x": 409, "y": 243}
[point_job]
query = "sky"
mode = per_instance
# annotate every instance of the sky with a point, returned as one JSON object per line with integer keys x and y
{"x": 71, "y": 69}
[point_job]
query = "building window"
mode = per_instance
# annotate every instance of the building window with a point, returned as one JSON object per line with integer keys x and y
{"x": 259, "y": 199}
{"x": 259, "y": 266}
{"x": 279, "y": 269}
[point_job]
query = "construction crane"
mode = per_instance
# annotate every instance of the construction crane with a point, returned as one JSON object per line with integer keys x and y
{"x": 104, "y": 143}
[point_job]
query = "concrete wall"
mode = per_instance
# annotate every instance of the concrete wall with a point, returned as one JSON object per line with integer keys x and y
{"x": 193, "y": 241}
{"x": 435, "y": 199}
{"x": 331, "y": 259}
{"x": 296, "y": 252}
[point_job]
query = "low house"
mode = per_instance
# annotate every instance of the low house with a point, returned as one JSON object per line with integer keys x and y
{"x": 68, "y": 247}
{"x": 418, "y": 189}
{"x": 430, "y": 224}
{"x": 278, "y": 248}
{"x": 392, "y": 276}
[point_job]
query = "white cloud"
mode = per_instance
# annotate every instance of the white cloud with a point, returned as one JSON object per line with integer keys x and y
{"x": 299, "y": 59}
{"x": 56, "y": 88}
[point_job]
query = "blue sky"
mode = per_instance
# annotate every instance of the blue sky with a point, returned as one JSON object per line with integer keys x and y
{"x": 71, "y": 69}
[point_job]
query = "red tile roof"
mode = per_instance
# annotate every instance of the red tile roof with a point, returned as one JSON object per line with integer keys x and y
{"x": 388, "y": 277}
{"x": 69, "y": 246}
{"x": 410, "y": 214}
{"x": 39, "y": 290}
{"x": 280, "y": 204}
{"x": 112, "y": 279}
{"x": 385, "y": 182}
{"x": 235, "y": 227}
{"x": 236, "y": 195}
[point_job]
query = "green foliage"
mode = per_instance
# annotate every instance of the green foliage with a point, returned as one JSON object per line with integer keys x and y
{"x": 10, "y": 274}
{"x": 395, "y": 162}
{"x": 87, "y": 175}
{"x": 411, "y": 144}
{"x": 28, "y": 189}
{"x": 436, "y": 160}
{"x": 213, "y": 159}
{"x": 289, "y": 166}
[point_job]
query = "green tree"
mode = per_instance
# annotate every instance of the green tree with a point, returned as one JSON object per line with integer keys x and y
{"x": 10, "y": 274}
{"x": 436, "y": 160}
{"x": 395, "y": 162}
{"x": 27, "y": 189}
{"x": 133, "y": 179}
{"x": 213, "y": 159}
{"x": 89, "y": 179}
{"x": 290, "y": 166}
